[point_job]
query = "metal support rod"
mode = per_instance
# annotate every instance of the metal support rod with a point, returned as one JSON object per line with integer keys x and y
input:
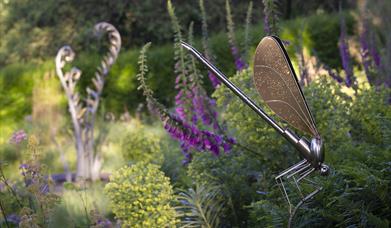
{"x": 299, "y": 170}
{"x": 233, "y": 87}
{"x": 292, "y": 168}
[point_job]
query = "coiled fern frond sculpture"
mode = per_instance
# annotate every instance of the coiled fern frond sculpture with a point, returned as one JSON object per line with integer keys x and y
{"x": 83, "y": 114}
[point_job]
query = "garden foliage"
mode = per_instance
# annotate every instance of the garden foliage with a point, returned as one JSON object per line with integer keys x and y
{"x": 245, "y": 174}
{"x": 29, "y": 203}
{"x": 231, "y": 155}
{"x": 356, "y": 147}
{"x": 142, "y": 145}
{"x": 141, "y": 196}
{"x": 120, "y": 94}
{"x": 201, "y": 206}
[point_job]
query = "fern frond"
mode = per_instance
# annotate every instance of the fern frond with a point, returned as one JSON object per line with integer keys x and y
{"x": 201, "y": 207}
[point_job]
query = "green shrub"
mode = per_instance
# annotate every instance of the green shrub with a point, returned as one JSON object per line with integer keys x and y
{"x": 141, "y": 196}
{"x": 140, "y": 145}
{"x": 32, "y": 199}
{"x": 371, "y": 117}
{"x": 249, "y": 167}
{"x": 356, "y": 131}
{"x": 324, "y": 32}
{"x": 320, "y": 34}
{"x": 251, "y": 131}
{"x": 236, "y": 174}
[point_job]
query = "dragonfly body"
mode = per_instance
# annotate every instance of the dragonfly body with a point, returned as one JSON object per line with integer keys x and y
{"x": 312, "y": 151}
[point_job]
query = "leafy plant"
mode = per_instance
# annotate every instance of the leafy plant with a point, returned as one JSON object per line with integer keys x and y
{"x": 247, "y": 37}
{"x": 141, "y": 196}
{"x": 271, "y": 17}
{"x": 238, "y": 176}
{"x": 201, "y": 206}
{"x": 354, "y": 129}
{"x": 178, "y": 125}
{"x": 239, "y": 63}
{"x": 34, "y": 199}
{"x": 140, "y": 145}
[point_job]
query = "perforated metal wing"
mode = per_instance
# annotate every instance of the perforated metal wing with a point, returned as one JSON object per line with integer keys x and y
{"x": 278, "y": 86}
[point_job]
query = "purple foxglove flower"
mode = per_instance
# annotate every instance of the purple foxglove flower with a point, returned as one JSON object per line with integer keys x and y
{"x": 345, "y": 55}
{"x": 266, "y": 25}
{"x": 13, "y": 218}
{"x": 227, "y": 147}
{"x": 104, "y": 223}
{"x": 180, "y": 111}
{"x": 218, "y": 139}
{"x": 193, "y": 138}
{"x": 239, "y": 63}
{"x": 286, "y": 42}
{"x": 215, "y": 149}
{"x": 213, "y": 79}
{"x": 375, "y": 56}
{"x": 194, "y": 119}
{"x": 23, "y": 166}
{"x": 17, "y": 137}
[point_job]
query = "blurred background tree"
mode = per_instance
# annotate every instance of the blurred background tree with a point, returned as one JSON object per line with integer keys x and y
{"x": 46, "y": 25}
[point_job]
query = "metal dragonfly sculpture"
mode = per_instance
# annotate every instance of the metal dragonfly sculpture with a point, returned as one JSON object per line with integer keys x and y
{"x": 277, "y": 84}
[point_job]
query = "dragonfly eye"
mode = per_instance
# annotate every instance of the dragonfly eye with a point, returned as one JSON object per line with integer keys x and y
{"x": 324, "y": 170}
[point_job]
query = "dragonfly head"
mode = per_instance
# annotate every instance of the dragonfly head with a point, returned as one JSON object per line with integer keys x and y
{"x": 324, "y": 169}
{"x": 317, "y": 150}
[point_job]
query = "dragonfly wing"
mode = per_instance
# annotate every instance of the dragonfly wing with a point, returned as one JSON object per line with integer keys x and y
{"x": 278, "y": 86}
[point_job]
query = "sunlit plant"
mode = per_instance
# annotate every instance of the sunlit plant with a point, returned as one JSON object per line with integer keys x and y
{"x": 141, "y": 196}
{"x": 185, "y": 132}
{"x": 35, "y": 199}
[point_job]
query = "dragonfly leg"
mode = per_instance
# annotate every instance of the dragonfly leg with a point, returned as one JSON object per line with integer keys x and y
{"x": 297, "y": 168}
{"x": 297, "y": 173}
{"x": 302, "y": 201}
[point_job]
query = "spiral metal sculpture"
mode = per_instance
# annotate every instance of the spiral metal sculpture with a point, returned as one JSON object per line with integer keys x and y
{"x": 83, "y": 114}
